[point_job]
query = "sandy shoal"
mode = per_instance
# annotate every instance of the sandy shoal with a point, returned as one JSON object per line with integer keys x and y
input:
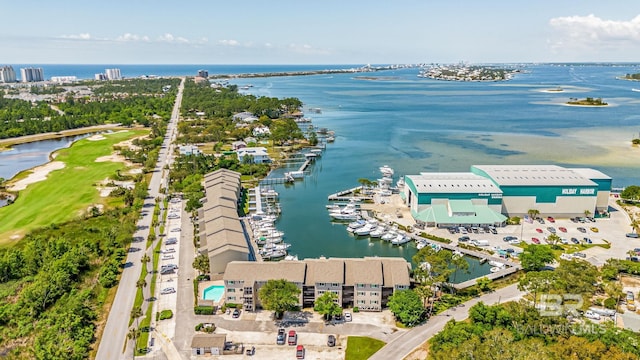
{"x": 38, "y": 173}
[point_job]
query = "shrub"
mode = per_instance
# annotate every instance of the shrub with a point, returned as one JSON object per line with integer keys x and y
{"x": 610, "y": 303}
{"x": 356, "y": 309}
{"x": 166, "y": 314}
{"x": 203, "y": 310}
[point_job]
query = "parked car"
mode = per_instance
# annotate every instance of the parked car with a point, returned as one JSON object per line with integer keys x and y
{"x": 168, "y": 290}
{"x": 582, "y": 230}
{"x": 540, "y": 220}
{"x": 563, "y": 229}
{"x": 575, "y": 240}
{"x": 236, "y": 313}
{"x": 591, "y": 315}
{"x": 331, "y": 341}
{"x": 175, "y": 230}
{"x": 587, "y": 240}
{"x": 509, "y": 238}
{"x": 632, "y": 235}
{"x": 630, "y": 296}
{"x": 580, "y": 255}
{"x": 535, "y": 240}
{"x": 347, "y": 316}
{"x": 539, "y": 230}
{"x": 464, "y": 238}
{"x": 293, "y": 338}
{"x": 493, "y": 230}
{"x": 551, "y": 229}
{"x": 300, "y": 352}
{"x": 594, "y": 229}
{"x": 551, "y": 219}
{"x": 251, "y": 351}
{"x": 280, "y": 340}
{"x": 591, "y": 218}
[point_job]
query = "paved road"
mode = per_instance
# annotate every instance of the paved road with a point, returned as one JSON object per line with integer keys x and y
{"x": 114, "y": 337}
{"x": 403, "y": 345}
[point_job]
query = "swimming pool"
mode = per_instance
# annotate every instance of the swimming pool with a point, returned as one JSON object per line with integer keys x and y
{"x": 214, "y": 293}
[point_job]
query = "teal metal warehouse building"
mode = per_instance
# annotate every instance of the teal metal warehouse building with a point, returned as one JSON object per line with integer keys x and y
{"x": 489, "y": 193}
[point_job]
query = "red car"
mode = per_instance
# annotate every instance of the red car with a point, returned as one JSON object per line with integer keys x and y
{"x": 551, "y": 219}
{"x": 535, "y": 240}
{"x": 563, "y": 229}
{"x": 539, "y": 230}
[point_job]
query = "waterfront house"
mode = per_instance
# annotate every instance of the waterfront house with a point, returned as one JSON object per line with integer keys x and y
{"x": 189, "y": 150}
{"x": 365, "y": 283}
{"x": 245, "y": 117}
{"x": 236, "y": 145}
{"x": 261, "y": 131}
{"x": 257, "y": 155}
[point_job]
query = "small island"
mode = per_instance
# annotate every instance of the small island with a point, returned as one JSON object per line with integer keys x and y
{"x": 587, "y": 102}
{"x": 632, "y": 77}
{"x": 462, "y": 72}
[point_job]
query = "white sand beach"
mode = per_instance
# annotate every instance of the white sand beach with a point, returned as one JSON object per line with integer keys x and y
{"x": 38, "y": 173}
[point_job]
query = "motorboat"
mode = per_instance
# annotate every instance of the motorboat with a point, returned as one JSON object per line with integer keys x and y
{"x": 495, "y": 269}
{"x": 421, "y": 244}
{"x": 496, "y": 264}
{"x": 400, "y": 239}
{"x": 389, "y": 236}
{"x": 386, "y": 170}
{"x": 378, "y": 232}
{"x": 273, "y": 246}
{"x": 353, "y": 226}
{"x": 364, "y": 230}
{"x": 275, "y": 254}
{"x": 291, "y": 258}
{"x": 457, "y": 253}
{"x": 348, "y": 212}
{"x": 436, "y": 247}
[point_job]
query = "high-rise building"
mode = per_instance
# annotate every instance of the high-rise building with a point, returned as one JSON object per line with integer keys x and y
{"x": 203, "y": 73}
{"x": 100, "y": 76}
{"x": 7, "y": 74}
{"x": 113, "y": 74}
{"x": 31, "y": 74}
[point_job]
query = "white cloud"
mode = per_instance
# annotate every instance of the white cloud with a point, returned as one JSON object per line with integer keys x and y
{"x": 132, "y": 37}
{"x": 81, "y": 36}
{"x": 307, "y": 49}
{"x": 229, "y": 42}
{"x": 592, "y": 29}
{"x": 173, "y": 39}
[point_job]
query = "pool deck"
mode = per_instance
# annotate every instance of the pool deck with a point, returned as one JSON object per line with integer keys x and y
{"x": 202, "y": 286}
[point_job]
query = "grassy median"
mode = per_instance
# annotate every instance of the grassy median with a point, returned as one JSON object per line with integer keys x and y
{"x": 361, "y": 347}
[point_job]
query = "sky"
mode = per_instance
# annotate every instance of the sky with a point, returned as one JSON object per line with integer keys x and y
{"x": 318, "y": 32}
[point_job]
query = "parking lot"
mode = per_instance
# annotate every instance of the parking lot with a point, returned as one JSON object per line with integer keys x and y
{"x": 601, "y": 231}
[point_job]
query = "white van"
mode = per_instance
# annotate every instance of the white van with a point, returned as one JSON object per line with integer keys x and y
{"x": 591, "y": 315}
{"x": 482, "y": 242}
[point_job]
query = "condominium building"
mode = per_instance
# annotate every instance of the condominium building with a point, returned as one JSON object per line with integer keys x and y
{"x": 31, "y": 74}
{"x": 7, "y": 74}
{"x": 365, "y": 283}
{"x": 113, "y": 74}
{"x": 203, "y": 73}
{"x": 222, "y": 235}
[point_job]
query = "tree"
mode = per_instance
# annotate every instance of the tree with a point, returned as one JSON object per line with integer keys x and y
{"x": 145, "y": 258}
{"x": 614, "y": 290}
{"x": 484, "y": 283}
{"x": 327, "y": 305}
{"x": 630, "y": 193}
{"x": 133, "y": 334}
{"x": 136, "y": 312}
{"x": 536, "y": 282}
{"x": 141, "y": 283}
{"x": 533, "y": 213}
{"x": 535, "y": 257}
{"x": 576, "y": 277}
{"x": 553, "y": 240}
{"x": 201, "y": 263}
{"x": 459, "y": 264}
{"x": 587, "y": 213}
{"x": 279, "y": 296}
{"x": 406, "y": 306}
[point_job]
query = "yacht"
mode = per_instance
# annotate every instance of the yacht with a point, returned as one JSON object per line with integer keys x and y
{"x": 389, "y": 236}
{"x": 364, "y": 230}
{"x": 496, "y": 264}
{"x": 378, "y": 232}
{"x": 400, "y": 239}
{"x": 420, "y": 244}
{"x": 348, "y": 212}
{"x": 386, "y": 171}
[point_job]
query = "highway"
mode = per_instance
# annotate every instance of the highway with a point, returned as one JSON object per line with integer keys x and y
{"x": 114, "y": 337}
{"x": 404, "y": 344}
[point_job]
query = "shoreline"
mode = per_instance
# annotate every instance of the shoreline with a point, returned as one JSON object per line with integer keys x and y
{"x": 6, "y": 144}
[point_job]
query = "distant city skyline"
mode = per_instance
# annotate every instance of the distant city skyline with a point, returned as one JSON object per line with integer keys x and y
{"x": 327, "y": 32}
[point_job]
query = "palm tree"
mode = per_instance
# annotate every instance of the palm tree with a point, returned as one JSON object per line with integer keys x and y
{"x": 145, "y": 259}
{"x": 141, "y": 283}
{"x": 136, "y": 312}
{"x": 133, "y": 334}
{"x": 533, "y": 213}
{"x": 587, "y": 213}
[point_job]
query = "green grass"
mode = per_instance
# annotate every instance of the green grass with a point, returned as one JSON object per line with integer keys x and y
{"x": 361, "y": 347}
{"x": 66, "y": 193}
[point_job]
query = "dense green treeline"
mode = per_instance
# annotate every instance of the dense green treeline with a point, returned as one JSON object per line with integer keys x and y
{"x": 54, "y": 283}
{"x": 518, "y": 331}
{"x": 138, "y": 101}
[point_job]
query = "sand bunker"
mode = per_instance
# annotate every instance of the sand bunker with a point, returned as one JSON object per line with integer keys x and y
{"x": 38, "y": 173}
{"x": 96, "y": 137}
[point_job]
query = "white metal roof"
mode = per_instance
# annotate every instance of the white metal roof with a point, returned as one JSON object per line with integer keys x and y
{"x": 453, "y": 183}
{"x": 528, "y": 175}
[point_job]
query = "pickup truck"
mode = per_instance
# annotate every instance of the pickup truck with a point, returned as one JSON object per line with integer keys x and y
{"x": 280, "y": 340}
{"x": 293, "y": 338}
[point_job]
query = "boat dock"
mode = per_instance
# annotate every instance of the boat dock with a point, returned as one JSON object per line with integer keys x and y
{"x": 510, "y": 267}
{"x": 341, "y": 195}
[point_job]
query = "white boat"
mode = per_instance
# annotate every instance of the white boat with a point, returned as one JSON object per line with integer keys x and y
{"x": 364, "y": 230}
{"x": 355, "y": 225}
{"x": 348, "y": 212}
{"x": 295, "y": 174}
{"x": 495, "y": 269}
{"x": 400, "y": 239}
{"x": 378, "y": 232}
{"x": 389, "y": 236}
{"x": 457, "y": 253}
{"x": 436, "y": 247}
{"x": 275, "y": 254}
{"x": 420, "y": 244}
{"x": 272, "y": 246}
{"x": 496, "y": 264}
{"x": 636, "y": 90}
{"x": 291, "y": 258}
{"x": 386, "y": 170}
